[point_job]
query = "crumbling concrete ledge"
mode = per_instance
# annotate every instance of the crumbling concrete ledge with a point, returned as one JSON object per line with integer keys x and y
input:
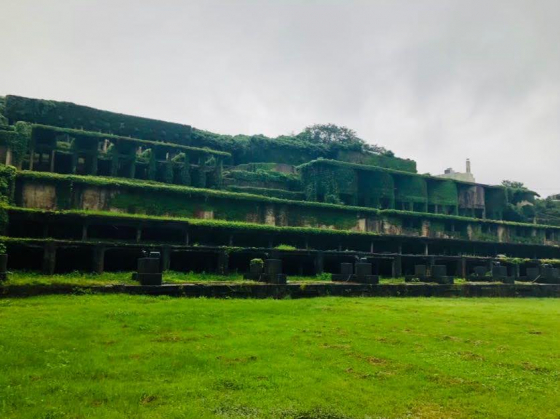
{"x": 294, "y": 290}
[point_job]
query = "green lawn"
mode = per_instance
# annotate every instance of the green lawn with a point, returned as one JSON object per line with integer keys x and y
{"x": 119, "y": 356}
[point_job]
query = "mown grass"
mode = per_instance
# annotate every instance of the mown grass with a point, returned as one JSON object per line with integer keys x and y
{"x": 81, "y": 279}
{"x": 119, "y": 356}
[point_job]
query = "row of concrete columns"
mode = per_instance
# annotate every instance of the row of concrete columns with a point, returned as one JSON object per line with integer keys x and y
{"x": 98, "y": 260}
{"x": 222, "y": 266}
{"x": 91, "y": 162}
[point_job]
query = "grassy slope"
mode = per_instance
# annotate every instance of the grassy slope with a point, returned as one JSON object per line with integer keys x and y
{"x": 126, "y": 356}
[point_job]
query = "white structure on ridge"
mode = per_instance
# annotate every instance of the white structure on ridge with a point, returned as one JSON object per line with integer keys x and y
{"x": 464, "y": 177}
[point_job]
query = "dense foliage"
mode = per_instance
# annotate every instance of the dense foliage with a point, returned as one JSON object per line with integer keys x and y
{"x": 547, "y": 211}
{"x": 314, "y": 142}
{"x": 264, "y": 179}
{"x": 88, "y": 137}
{"x": 70, "y": 115}
{"x": 3, "y": 119}
{"x": 336, "y": 137}
{"x": 520, "y": 202}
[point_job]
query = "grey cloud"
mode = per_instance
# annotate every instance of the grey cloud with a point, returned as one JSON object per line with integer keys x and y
{"x": 436, "y": 81}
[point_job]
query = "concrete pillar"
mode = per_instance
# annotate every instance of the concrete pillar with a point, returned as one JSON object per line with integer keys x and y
{"x": 165, "y": 258}
{"x": 462, "y": 268}
{"x": 74, "y": 163}
{"x": 85, "y": 231}
{"x": 132, "y": 167}
{"x": 98, "y": 259}
{"x": 49, "y": 258}
{"x": 516, "y": 271}
{"x": 218, "y": 172}
{"x": 319, "y": 263}
{"x": 114, "y": 163}
{"x": 431, "y": 261}
{"x": 223, "y": 263}
{"x": 187, "y": 238}
{"x": 425, "y": 229}
{"x": 9, "y": 157}
{"x": 396, "y": 271}
{"x": 138, "y": 234}
{"x": 426, "y": 249}
{"x": 53, "y": 153}
{"x": 91, "y": 164}
{"x": 31, "y": 158}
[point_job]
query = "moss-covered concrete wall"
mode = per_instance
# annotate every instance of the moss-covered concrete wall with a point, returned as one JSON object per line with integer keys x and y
{"x": 375, "y": 187}
{"x": 47, "y": 194}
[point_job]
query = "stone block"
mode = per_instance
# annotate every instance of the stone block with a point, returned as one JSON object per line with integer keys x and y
{"x": 439, "y": 271}
{"x": 420, "y": 270}
{"x": 272, "y": 266}
{"x": 367, "y": 279}
{"x": 346, "y": 269}
{"x": 149, "y": 279}
{"x": 480, "y": 271}
{"x": 444, "y": 280}
{"x": 533, "y": 273}
{"x": 363, "y": 269}
{"x": 255, "y": 269}
{"x": 148, "y": 266}
{"x": 499, "y": 272}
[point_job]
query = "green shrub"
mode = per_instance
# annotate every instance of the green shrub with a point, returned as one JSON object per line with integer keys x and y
{"x": 285, "y": 247}
{"x": 257, "y": 263}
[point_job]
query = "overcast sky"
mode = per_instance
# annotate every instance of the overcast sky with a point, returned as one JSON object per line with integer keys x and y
{"x": 435, "y": 81}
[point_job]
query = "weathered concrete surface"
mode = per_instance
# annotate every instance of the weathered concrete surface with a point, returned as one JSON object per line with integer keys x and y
{"x": 96, "y": 199}
{"x": 41, "y": 196}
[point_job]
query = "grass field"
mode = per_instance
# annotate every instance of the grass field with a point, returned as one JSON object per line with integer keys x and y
{"x": 124, "y": 356}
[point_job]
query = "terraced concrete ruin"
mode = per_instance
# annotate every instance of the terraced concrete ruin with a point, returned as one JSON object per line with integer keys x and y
{"x": 85, "y": 189}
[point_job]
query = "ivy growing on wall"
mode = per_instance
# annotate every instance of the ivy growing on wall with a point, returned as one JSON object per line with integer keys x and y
{"x": 276, "y": 193}
{"x": 331, "y": 184}
{"x": 7, "y": 183}
{"x": 411, "y": 189}
{"x": 290, "y": 149}
{"x": 70, "y": 115}
{"x": 496, "y": 202}
{"x": 443, "y": 192}
{"x": 372, "y": 159}
{"x": 7, "y": 186}
{"x": 3, "y": 119}
{"x": 17, "y": 138}
{"x": 377, "y": 189}
{"x": 264, "y": 178}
